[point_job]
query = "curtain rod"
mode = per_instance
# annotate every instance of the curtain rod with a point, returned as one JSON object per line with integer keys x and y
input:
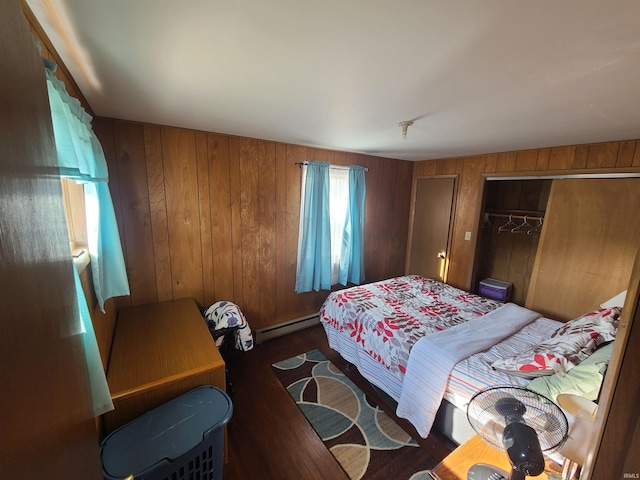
{"x": 340, "y": 167}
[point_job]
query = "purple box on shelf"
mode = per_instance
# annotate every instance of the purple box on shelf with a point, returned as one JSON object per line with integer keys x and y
{"x": 495, "y": 289}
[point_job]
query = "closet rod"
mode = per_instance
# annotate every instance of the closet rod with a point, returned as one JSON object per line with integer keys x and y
{"x": 340, "y": 167}
{"x": 519, "y": 217}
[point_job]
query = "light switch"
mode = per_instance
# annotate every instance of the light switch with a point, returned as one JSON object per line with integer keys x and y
{"x": 467, "y": 235}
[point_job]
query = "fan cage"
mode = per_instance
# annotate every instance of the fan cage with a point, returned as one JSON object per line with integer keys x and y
{"x": 541, "y": 414}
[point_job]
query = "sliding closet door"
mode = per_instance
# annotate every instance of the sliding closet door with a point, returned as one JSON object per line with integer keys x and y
{"x": 587, "y": 247}
{"x": 429, "y": 233}
{"x": 48, "y": 429}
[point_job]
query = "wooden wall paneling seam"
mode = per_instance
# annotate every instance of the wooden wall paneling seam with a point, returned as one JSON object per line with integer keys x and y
{"x": 374, "y": 179}
{"x": 467, "y": 217}
{"x": 178, "y": 152}
{"x": 236, "y": 222}
{"x": 543, "y": 159}
{"x": 136, "y": 221}
{"x": 204, "y": 209}
{"x": 603, "y": 155}
{"x": 636, "y": 155}
{"x": 472, "y": 177}
{"x": 412, "y": 214}
{"x": 491, "y": 163}
{"x": 445, "y": 166}
{"x": 561, "y": 158}
{"x": 625, "y": 154}
{"x": 160, "y": 246}
{"x": 282, "y": 291}
{"x": 221, "y": 222}
{"x": 425, "y": 168}
{"x": 526, "y": 160}
{"x": 402, "y": 203}
{"x": 506, "y": 162}
{"x": 580, "y": 157}
{"x": 250, "y": 227}
{"x": 293, "y": 306}
{"x": 268, "y": 240}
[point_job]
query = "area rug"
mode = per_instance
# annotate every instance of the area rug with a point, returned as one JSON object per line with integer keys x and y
{"x": 365, "y": 441}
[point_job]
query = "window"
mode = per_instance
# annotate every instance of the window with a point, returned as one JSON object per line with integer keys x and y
{"x": 74, "y": 207}
{"x": 338, "y": 207}
{"x": 331, "y": 236}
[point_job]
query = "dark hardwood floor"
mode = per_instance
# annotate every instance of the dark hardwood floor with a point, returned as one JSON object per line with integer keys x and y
{"x": 268, "y": 437}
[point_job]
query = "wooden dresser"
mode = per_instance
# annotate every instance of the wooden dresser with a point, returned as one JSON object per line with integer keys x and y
{"x": 159, "y": 351}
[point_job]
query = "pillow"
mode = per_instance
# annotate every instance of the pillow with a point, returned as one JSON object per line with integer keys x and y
{"x": 569, "y": 345}
{"x": 617, "y": 301}
{"x": 584, "y": 379}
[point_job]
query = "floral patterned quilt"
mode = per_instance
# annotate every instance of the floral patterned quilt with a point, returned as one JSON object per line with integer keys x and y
{"x": 387, "y": 318}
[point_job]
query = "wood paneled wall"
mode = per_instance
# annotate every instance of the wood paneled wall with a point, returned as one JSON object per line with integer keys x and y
{"x": 622, "y": 156}
{"x": 215, "y": 217}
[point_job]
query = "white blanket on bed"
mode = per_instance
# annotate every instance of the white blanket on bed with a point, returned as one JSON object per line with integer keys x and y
{"x": 433, "y": 357}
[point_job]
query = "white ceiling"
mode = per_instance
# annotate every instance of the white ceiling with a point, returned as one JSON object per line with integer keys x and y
{"x": 475, "y": 76}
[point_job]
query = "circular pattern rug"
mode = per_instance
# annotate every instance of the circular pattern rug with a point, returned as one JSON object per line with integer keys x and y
{"x": 366, "y": 442}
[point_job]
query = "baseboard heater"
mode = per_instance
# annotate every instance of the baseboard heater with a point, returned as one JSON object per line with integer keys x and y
{"x": 286, "y": 327}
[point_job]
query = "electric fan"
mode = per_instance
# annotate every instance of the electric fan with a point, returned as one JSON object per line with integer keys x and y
{"x": 525, "y": 424}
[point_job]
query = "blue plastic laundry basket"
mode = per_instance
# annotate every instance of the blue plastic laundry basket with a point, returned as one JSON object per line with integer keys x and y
{"x": 179, "y": 440}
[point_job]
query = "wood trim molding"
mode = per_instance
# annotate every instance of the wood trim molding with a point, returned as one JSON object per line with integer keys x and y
{"x": 613, "y": 448}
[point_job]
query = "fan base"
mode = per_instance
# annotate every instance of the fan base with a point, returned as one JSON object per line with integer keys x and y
{"x": 482, "y": 471}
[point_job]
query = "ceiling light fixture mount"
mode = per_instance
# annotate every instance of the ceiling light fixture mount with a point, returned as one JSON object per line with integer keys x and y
{"x": 405, "y": 125}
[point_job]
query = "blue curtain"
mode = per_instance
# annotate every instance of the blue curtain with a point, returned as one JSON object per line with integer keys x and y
{"x": 352, "y": 251}
{"x": 314, "y": 250}
{"x": 100, "y": 395}
{"x": 107, "y": 261}
{"x": 80, "y": 157}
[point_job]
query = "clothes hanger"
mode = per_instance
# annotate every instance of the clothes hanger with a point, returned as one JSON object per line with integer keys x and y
{"x": 507, "y": 226}
{"x": 535, "y": 229}
{"x": 523, "y": 227}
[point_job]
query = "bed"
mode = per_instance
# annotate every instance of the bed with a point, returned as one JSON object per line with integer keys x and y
{"x": 390, "y": 330}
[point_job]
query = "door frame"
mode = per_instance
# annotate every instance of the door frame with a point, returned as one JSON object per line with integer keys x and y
{"x": 452, "y": 218}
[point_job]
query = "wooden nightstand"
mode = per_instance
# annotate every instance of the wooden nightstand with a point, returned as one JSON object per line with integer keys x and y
{"x": 475, "y": 450}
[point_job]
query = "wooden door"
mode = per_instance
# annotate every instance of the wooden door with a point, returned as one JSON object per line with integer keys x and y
{"x": 430, "y": 228}
{"x": 47, "y": 425}
{"x": 587, "y": 247}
